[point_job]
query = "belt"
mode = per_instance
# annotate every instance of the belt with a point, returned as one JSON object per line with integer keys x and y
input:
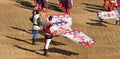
{"x": 36, "y": 25}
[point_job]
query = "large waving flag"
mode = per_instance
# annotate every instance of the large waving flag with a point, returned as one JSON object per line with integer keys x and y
{"x": 61, "y": 25}
{"x": 75, "y": 35}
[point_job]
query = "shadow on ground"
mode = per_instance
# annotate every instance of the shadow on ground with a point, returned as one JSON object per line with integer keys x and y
{"x": 13, "y": 27}
{"x": 38, "y": 39}
{"x": 18, "y": 39}
{"x": 93, "y": 7}
{"x": 55, "y": 7}
{"x": 99, "y": 23}
{"x": 25, "y": 4}
{"x": 96, "y": 24}
{"x": 53, "y": 50}
{"x": 53, "y": 42}
{"x": 29, "y": 50}
{"x": 61, "y": 51}
{"x": 29, "y": 5}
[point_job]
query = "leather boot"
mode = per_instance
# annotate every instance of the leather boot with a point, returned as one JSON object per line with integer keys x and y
{"x": 33, "y": 41}
{"x": 116, "y": 22}
{"x": 119, "y": 22}
{"x": 45, "y": 52}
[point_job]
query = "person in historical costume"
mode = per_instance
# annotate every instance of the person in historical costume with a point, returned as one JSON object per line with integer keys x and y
{"x": 112, "y": 4}
{"x": 105, "y": 3}
{"x": 37, "y": 22}
{"x": 66, "y": 5}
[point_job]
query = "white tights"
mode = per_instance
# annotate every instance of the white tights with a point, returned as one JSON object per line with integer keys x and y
{"x": 47, "y": 43}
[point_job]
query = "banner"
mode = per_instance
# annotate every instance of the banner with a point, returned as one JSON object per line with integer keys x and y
{"x": 74, "y": 35}
{"x": 61, "y": 25}
{"x": 59, "y": 17}
{"x": 109, "y": 15}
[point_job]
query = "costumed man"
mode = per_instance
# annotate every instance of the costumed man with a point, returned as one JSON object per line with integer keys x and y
{"x": 112, "y": 4}
{"x": 69, "y": 6}
{"x": 35, "y": 2}
{"x": 105, "y": 3}
{"x": 33, "y": 14}
{"x": 49, "y": 33}
{"x": 36, "y": 25}
{"x": 61, "y": 4}
{"x": 40, "y": 4}
{"x": 118, "y": 8}
{"x": 44, "y": 6}
{"x": 66, "y": 5}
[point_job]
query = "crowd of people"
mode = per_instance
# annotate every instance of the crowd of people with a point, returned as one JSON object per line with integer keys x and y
{"x": 65, "y": 5}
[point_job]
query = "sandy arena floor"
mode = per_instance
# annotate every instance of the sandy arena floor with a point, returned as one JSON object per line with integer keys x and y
{"x": 15, "y": 34}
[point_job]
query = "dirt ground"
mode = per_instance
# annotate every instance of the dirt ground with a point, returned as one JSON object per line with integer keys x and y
{"x": 15, "y": 32}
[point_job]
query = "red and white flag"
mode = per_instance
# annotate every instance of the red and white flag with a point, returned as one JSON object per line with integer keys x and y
{"x": 64, "y": 28}
{"x": 108, "y": 15}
